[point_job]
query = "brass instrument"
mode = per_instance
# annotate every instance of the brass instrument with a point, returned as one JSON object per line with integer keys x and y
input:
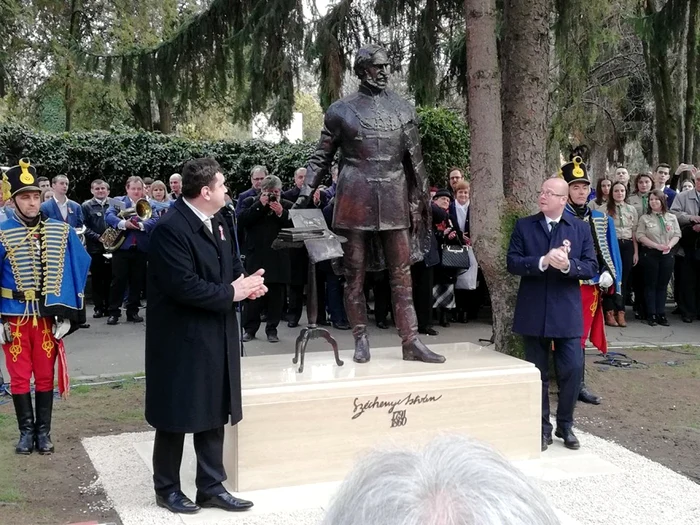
{"x": 113, "y": 238}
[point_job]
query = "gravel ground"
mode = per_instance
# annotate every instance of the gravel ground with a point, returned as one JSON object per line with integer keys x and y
{"x": 603, "y": 483}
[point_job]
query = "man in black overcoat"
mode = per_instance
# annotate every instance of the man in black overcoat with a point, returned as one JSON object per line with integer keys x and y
{"x": 193, "y": 376}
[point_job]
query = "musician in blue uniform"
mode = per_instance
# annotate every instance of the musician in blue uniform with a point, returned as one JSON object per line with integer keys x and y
{"x": 42, "y": 279}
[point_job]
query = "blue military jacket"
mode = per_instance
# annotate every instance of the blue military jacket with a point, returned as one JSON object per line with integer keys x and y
{"x": 605, "y": 244}
{"x": 42, "y": 275}
{"x": 549, "y": 302}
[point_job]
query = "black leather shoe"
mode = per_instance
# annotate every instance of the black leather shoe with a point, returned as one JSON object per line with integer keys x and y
{"x": 113, "y": 319}
{"x": 247, "y": 337}
{"x": 382, "y": 325}
{"x": 223, "y": 501}
{"x": 661, "y": 319}
{"x": 98, "y": 314}
{"x": 341, "y": 326}
{"x": 323, "y": 322}
{"x": 292, "y": 324}
{"x": 570, "y": 439}
{"x": 546, "y": 441}
{"x": 586, "y": 396}
{"x": 135, "y": 318}
{"x": 651, "y": 320}
{"x": 687, "y": 319}
{"x": 428, "y": 331}
{"x": 272, "y": 338}
{"x": 177, "y": 502}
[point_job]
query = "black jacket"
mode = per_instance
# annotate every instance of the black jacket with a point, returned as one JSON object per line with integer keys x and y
{"x": 261, "y": 227}
{"x": 95, "y": 225}
{"x": 193, "y": 368}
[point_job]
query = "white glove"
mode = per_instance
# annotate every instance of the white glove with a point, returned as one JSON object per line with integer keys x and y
{"x": 5, "y": 333}
{"x": 606, "y": 280}
{"x": 60, "y": 328}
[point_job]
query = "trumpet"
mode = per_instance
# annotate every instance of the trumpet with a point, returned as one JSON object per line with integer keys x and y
{"x": 112, "y": 238}
{"x": 142, "y": 210}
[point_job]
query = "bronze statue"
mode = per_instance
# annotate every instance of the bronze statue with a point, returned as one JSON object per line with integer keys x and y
{"x": 382, "y": 204}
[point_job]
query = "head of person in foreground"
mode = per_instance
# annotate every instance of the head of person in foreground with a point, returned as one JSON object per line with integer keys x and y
{"x": 451, "y": 481}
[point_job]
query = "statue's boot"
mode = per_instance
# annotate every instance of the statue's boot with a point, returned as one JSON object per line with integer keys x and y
{"x": 417, "y": 351}
{"x": 361, "y": 344}
{"x": 405, "y": 316}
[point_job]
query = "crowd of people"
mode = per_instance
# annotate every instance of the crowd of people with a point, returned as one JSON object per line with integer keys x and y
{"x": 657, "y": 224}
{"x": 439, "y": 293}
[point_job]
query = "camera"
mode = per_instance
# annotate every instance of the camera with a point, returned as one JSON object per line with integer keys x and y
{"x": 272, "y": 197}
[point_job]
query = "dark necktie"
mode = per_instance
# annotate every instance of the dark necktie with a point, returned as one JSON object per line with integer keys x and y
{"x": 553, "y": 226}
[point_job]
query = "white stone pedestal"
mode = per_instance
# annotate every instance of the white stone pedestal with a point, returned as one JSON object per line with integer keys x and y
{"x": 310, "y": 428}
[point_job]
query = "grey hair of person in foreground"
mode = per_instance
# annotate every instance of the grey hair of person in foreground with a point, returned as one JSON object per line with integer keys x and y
{"x": 451, "y": 481}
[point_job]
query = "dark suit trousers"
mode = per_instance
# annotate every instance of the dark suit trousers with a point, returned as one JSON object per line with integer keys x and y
{"x": 128, "y": 268}
{"x": 273, "y": 302}
{"x": 422, "y": 277}
{"x": 101, "y": 275}
{"x": 568, "y": 363}
{"x": 657, "y": 274}
{"x": 167, "y": 458}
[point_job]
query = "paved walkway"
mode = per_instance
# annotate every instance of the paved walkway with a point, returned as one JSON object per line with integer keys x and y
{"x": 600, "y": 484}
{"x": 105, "y": 350}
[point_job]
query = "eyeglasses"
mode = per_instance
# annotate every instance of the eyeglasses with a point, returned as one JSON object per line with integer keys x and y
{"x": 549, "y": 193}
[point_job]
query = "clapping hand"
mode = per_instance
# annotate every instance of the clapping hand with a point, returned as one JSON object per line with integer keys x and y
{"x": 557, "y": 258}
{"x": 250, "y": 287}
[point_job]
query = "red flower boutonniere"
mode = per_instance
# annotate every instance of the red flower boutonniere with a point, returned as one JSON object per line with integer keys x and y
{"x": 221, "y": 232}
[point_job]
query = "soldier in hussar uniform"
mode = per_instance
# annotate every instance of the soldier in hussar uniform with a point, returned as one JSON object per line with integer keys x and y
{"x": 43, "y": 274}
{"x": 609, "y": 278}
{"x": 381, "y": 202}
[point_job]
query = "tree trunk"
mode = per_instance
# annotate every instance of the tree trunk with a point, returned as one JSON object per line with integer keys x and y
{"x": 165, "y": 111}
{"x": 525, "y": 96}
{"x": 691, "y": 91}
{"x": 73, "y": 34}
{"x": 486, "y": 126}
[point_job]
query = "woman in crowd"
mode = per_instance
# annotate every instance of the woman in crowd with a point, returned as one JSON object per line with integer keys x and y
{"x": 643, "y": 184}
{"x": 466, "y": 299}
{"x": 602, "y": 195}
{"x": 46, "y": 195}
{"x": 159, "y": 198}
{"x": 687, "y": 185}
{"x": 445, "y": 234}
{"x": 625, "y": 217}
{"x": 658, "y": 232}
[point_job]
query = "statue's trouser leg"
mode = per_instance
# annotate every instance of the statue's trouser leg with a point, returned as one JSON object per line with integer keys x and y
{"x": 398, "y": 259}
{"x": 355, "y": 269}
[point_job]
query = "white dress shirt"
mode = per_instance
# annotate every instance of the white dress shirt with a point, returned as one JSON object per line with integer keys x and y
{"x": 63, "y": 208}
{"x": 549, "y": 225}
{"x": 206, "y": 219}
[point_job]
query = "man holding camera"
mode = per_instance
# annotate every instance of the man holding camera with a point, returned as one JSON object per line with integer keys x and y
{"x": 262, "y": 219}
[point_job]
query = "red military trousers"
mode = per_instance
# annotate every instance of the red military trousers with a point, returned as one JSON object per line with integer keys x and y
{"x": 32, "y": 350}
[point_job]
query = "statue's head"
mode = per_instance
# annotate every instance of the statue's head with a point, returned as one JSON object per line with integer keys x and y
{"x": 372, "y": 66}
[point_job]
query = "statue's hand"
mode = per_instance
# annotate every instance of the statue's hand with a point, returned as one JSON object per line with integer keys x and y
{"x": 302, "y": 202}
{"x": 304, "y": 198}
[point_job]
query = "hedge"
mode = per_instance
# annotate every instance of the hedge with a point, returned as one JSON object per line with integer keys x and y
{"x": 114, "y": 156}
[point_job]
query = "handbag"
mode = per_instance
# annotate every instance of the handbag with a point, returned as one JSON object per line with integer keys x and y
{"x": 453, "y": 256}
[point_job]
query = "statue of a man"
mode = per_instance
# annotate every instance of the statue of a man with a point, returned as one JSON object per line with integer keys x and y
{"x": 382, "y": 200}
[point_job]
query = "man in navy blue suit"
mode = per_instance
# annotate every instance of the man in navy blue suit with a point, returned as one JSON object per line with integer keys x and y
{"x": 60, "y": 207}
{"x": 551, "y": 251}
{"x": 129, "y": 261}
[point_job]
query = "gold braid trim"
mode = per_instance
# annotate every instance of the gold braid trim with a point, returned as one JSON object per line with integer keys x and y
{"x": 47, "y": 344}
